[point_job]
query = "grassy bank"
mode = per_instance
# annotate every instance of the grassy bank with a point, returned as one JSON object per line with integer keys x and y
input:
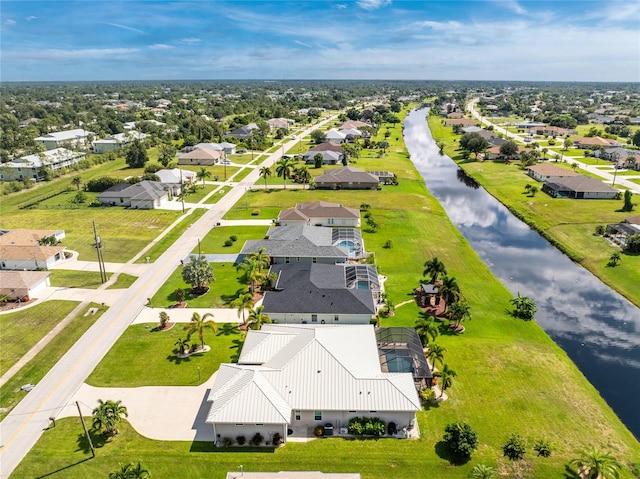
{"x": 510, "y": 376}
{"x": 568, "y": 224}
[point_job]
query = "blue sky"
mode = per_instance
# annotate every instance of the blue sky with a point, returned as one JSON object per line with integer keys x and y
{"x": 579, "y": 40}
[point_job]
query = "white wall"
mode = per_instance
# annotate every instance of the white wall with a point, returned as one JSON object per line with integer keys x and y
{"x": 248, "y": 430}
{"x": 301, "y": 318}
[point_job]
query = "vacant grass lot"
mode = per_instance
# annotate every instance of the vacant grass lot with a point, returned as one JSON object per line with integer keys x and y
{"x": 21, "y": 330}
{"x": 87, "y": 279}
{"x": 510, "y": 376}
{"x": 35, "y": 370}
{"x": 570, "y": 223}
{"x": 213, "y": 242}
{"x": 122, "y": 367}
{"x": 223, "y": 290}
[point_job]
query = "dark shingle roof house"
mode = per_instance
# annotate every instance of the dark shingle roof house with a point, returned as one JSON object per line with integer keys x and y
{"x": 579, "y": 187}
{"x": 347, "y": 177}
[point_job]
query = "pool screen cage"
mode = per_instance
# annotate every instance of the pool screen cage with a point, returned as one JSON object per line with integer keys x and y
{"x": 349, "y": 235}
{"x": 400, "y": 350}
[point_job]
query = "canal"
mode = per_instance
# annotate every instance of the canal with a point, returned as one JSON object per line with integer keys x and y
{"x": 598, "y": 328}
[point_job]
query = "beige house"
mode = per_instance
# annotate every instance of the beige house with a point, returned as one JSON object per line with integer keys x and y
{"x": 23, "y": 285}
{"x": 320, "y": 213}
{"x": 545, "y": 172}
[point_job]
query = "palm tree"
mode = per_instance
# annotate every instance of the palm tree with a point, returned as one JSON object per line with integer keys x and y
{"x": 434, "y": 268}
{"x": 252, "y": 271}
{"x": 182, "y": 344}
{"x": 483, "y": 472}
{"x": 265, "y": 172}
{"x": 615, "y": 259}
{"x": 199, "y": 324}
{"x": 130, "y": 471}
{"x": 459, "y": 311}
{"x": 284, "y": 167}
{"x": 596, "y": 464}
{"x": 243, "y": 302}
{"x": 533, "y": 190}
{"x": 263, "y": 259}
{"x": 426, "y": 327}
{"x": 303, "y": 174}
{"x": 257, "y": 318}
{"x": 107, "y": 415}
{"x": 446, "y": 378}
{"x": 203, "y": 174}
{"x": 449, "y": 290}
{"x": 436, "y": 354}
{"x": 76, "y": 181}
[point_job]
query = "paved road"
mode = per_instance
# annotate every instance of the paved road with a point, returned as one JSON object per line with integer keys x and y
{"x": 24, "y": 425}
{"x": 607, "y": 173}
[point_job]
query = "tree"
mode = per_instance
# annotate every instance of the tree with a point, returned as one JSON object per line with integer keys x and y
{"x": 596, "y": 464}
{"x": 628, "y": 204}
{"x": 474, "y": 143}
{"x": 461, "y": 439}
{"x": 76, "y": 181}
{"x": 130, "y": 471}
{"x": 449, "y": 290}
{"x": 317, "y": 160}
{"x": 459, "y": 311}
{"x": 427, "y": 328}
{"x": 303, "y": 175}
{"x": 136, "y": 155}
{"x": 318, "y": 136}
{"x": 525, "y": 307}
{"x": 436, "y": 354}
{"x": 533, "y": 190}
{"x": 107, "y": 415}
{"x": 633, "y": 244}
{"x": 284, "y": 167}
{"x": 483, "y": 472}
{"x": 384, "y": 145}
{"x": 509, "y": 149}
{"x": 434, "y": 268}
{"x": 198, "y": 273}
{"x": 635, "y": 139}
{"x": 614, "y": 260}
{"x": 199, "y": 324}
{"x": 166, "y": 155}
{"x": 254, "y": 266}
{"x": 446, "y": 376}
{"x": 567, "y": 144}
{"x": 243, "y": 302}
{"x": 515, "y": 447}
{"x": 257, "y": 318}
{"x": 203, "y": 174}
{"x": 265, "y": 172}
{"x": 164, "y": 319}
{"x": 183, "y": 345}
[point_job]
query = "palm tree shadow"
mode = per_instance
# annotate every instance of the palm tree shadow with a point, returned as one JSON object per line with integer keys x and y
{"x": 570, "y": 473}
{"x": 97, "y": 439}
{"x": 175, "y": 359}
{"x": 237, "y": 345}
{"x": 227, "y": 329}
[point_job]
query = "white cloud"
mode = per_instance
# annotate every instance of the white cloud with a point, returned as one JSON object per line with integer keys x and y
{"x": 511, "y": 5}
{"x": 160, "y": 46}
{"x": 341, "y": 6}
{"x": 191, "y": 40}
{"x": 31, "y": 17}
{"x": 373, "y": 4}
{"x": 55, "y": 54}
{"x": 9, "y": 22}
{"x": 124, "y": 27}
{"x": 302, "y": 43}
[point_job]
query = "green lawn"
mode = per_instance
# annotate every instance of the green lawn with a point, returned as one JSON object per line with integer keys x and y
{"x": 87, "y": 279}
{"x": 213, "y": 242}
{"x": 122, "y": 367}
{"x": 123, "y": 281}
{"x": 200, "y": 193}
{"x": 569, "y": 223}
{"x": 21, "y": 330}
{"x": 35, "y": 370}
{"x": 223, "y": 290}
{"x": 511, "y": 377}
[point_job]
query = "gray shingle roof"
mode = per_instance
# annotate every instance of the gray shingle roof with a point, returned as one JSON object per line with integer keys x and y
{"x": 297, "y": 240}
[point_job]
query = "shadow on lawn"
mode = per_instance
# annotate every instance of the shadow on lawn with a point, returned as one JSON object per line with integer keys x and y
{"x": 64, "y": 468}
{"x": 443, "y": 452}
{"x": 175, "y": 359}
{"x": 227, "y": 329}
{"x": 97, "y": 439}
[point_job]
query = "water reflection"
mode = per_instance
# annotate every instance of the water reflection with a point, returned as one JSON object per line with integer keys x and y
{"x": 599, "y": 329}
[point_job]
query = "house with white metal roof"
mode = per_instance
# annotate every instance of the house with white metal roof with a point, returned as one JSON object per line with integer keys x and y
{"x": 77, "y": 137}
{"x": 291, "y": 378}
{"x": 117, "y": 141}
{"x": 32, "y": 166}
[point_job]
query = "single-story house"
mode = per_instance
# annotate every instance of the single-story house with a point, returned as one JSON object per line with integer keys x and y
{"x": 173, "y": 179}
{"x": 632, "y": 162}
{"x": 76, "y": 138}
{"x": 530, "y": 124}
{"x": 115, "y": 142}
{"x": 494, "y": 153}
{"x": 326, "y": 146}
{"x": 32, "y": 166}
{"x": 546, "y": 172}
{"x": 277, "y": 123}
{"x": 286, "y": 379}
{"x": 320, "y": 213}
{"x": 243, "y": 132}
{"x": 200, "y": 157}
{"x": 619, "y": 232}
{"x": 25, "y": 237}
{"x": 328, "y": 157}
{"x": 351, "y": 133}
{"x": 456, "y": 115}
{"x": 579, "y": 186}
{"x": 225, "y": 147}
{"x": 321, "y": 293}
{"x": 356, "y": 124}
{"x": 21, "y": 257}
{"x": 146, "y": 195}
{"x": 472, "y": 129}
{"x": 590, "y": 143}
{"x": 308, "y": 244}
{"x": 335, "y": 136}
{"x": 550, "y": 131}
{"x": 460, "y": 121}
{"x": 23, "y": 285}
{"x": 347, "y": 177}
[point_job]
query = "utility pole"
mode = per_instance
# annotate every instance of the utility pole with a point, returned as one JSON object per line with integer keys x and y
{"x": 182, "y": 190}
{"x": 86, "y": 433}
{"x": 98, "y": 246}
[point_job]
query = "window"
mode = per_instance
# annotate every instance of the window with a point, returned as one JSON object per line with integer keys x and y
{"x": 259, "y": 424}
{"x": 298, "y": 416}
{"x": 314, "y": 318}
{"x": 336, "y": 318}
{"x": 314, "y": 260}
{"x": 317, "y": 415}
{"x": 286, "y": 259}
{"x": 298, "y": 258}
{"x": 239, "y": 424}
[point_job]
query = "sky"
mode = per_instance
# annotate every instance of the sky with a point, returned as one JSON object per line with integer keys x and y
{"x": 571, "y": 40}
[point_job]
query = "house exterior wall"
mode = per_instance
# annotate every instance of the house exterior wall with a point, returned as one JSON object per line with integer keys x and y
{"x": 248, "y": 430}
{"x": 148, "y": 204}
{"x": 30, "y": 291}
{"x": 104, "y": 147}
{"x": 307, "y": 259}
{"x": 9, "y": 173}
{"x": 599, "y": 195}
{"x": 347, "y": 185}
{"x": 340, "y": 419}
{"x": 31, "y": 264}
{"x": 309, "y": 318}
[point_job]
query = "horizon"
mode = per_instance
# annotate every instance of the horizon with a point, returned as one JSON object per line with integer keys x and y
{"x": 594, "y": 41}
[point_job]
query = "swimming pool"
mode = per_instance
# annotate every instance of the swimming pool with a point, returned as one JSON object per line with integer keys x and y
{"x": 397, "y": 364}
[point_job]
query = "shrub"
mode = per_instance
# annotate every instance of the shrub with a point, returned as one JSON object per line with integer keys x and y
{"x": 227, "y": 442}
{"x": 461, "y": 439}
{"x": 241, "y": 440}
{"x": 277, "y": 439}
{"x": 515, "y": 447}
{"x": 600, "y": 230}
{"x": 367, "y": 426}
{"x": 428, "y": 395}
{"x": 392, "y": 428}
{"x": 255, "y": 212}
{"x": 542, "y": 448}
{"x": 233, "y": 238}
{"x": 318, "y": 431}
{"x": 179, "y": 295}
{"x": 98, "y": 185}
{"x": 257, "y": 439}
{"x": 387, "y": 244}
{"x": 482, "y": 472}
{"x": 228, "y": 243}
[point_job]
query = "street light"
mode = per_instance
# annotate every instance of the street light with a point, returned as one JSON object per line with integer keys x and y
{"x": 615, "y": 157}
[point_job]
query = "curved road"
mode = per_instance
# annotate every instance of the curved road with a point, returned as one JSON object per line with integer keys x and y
{"x": 20, "y": 430}
{"x": 607, "y": 176}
